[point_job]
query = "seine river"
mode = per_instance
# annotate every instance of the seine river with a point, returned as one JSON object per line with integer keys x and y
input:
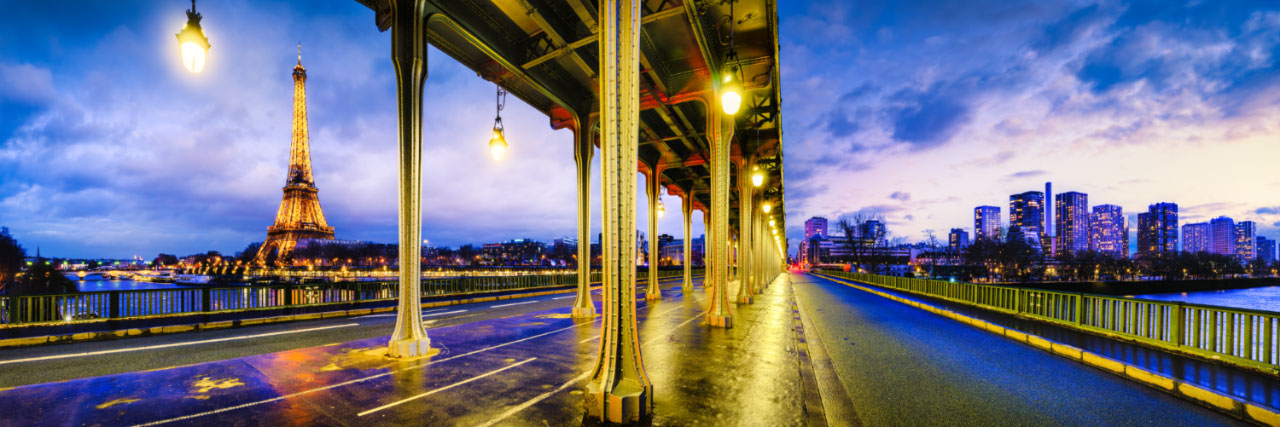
{"x": 122, "y": 285}
{"x": 1265, "y": 298}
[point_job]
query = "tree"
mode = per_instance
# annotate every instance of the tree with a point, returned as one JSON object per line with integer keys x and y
{"x": 11, "y": 257}
{"x": 164, "y": 259}
{"x": 859, "y": 247}
{"x": 250, "y": 252}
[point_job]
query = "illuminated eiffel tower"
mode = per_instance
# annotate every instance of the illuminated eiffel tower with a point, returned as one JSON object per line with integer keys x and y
{"x": 299, "y": 216}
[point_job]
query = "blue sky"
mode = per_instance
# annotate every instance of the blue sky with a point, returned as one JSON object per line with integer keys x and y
{"x": 915, "y": 110}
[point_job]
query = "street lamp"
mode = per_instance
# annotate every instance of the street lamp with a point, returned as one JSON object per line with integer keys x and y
{"x": 767, "y": 207}
{"x": 757, "y": 177}
{"x": 498, "y": 143}
{"x": 192, "y": 42}
{"x": 730, "y": 98}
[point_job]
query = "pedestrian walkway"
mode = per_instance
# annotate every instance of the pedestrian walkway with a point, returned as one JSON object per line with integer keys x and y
{"x": 526, "y": 369}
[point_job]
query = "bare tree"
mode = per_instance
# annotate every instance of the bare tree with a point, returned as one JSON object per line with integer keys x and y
{"x": 859, "y": 247}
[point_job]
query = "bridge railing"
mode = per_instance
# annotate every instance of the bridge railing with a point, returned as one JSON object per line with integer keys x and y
{"x": 1238, "y": 336}
{"x": 89, "y": 306}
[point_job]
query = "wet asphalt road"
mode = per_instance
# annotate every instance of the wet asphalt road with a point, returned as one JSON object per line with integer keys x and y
{"x": 17, "y": 366}
{"x": 905, "y": 366}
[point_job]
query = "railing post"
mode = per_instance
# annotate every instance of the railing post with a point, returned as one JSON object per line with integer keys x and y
{"x": 113, "y": 305}
{"x": 206, "y": 299}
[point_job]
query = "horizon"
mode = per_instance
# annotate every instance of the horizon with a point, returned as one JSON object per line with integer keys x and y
{"x": 111, "y": 149}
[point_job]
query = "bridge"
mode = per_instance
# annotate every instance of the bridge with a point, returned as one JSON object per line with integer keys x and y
{"x": 687, "y": 94}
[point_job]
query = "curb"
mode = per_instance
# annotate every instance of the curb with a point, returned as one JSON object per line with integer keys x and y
{"x": 1227, "y": 404}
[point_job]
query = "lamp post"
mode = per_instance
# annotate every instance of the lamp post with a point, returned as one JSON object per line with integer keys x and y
{"x": 498, "y": 143}
{"x": 192, "y": 43}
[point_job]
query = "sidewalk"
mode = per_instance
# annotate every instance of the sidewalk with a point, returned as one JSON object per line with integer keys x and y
{"x": 519, "y": 370}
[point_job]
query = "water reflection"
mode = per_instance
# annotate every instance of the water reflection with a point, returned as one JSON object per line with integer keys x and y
{"x": 1265, "y": 298}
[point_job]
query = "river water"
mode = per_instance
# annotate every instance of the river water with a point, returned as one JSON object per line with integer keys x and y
{"x": 122, "y": 285}
{"x": 1264, "y": 298}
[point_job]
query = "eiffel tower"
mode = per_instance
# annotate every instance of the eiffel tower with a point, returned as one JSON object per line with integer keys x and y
{"x": 299, "y": 216}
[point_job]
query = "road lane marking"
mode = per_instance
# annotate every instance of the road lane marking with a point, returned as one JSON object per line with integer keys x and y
{"x": 442, "y": 314}
{"x": 514, "y": 303}
{"x": 178, "y": 344}
{"x": 575, "y": 380}
{"x": 419, "y": 396}
{"x": 570, "y": 296}
{"x": 353, "y": 381}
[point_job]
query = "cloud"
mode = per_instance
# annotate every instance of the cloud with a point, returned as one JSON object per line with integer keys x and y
{"x": 900, "y": 195}
{"x": 1026, "y": 174}
{"x": 928, "y": 119}
{"x": 1268, "y": 210}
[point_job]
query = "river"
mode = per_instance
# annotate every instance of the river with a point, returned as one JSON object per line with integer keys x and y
{"x": 1265, "y": 298}
{"x": 121, "y": 285}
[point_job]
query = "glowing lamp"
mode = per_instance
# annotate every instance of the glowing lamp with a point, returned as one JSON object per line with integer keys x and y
{"x": 662, "y": 210}
{"x": 771, "y": 222}
{"x": 192, "y": 42}
{"x": 757, "y": 178}
{"x": 767, "y": 207}
{"x": 498, "y": 143}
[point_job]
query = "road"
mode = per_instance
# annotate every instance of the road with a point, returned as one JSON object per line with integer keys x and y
{"x": 903, "y": 366}
{"x": 42, "y": 364}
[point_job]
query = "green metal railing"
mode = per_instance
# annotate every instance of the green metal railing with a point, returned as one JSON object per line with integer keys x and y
{"x": 86, "y": 306}
{"x": 1234, "y": 335}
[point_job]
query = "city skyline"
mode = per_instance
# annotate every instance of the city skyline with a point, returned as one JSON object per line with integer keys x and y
{"x": 1063, "y": 91}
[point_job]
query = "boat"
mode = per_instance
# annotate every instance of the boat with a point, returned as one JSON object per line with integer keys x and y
{"x": 193, "y": 279}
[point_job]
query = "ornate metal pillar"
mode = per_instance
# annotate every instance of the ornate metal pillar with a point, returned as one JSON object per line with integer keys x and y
{"x": 686, "y": 209}
{"x": 409, "y": 55}
{"x": 760, "y": 250}
{"x": 746, "y": 280}
{"x": 708, "y": 279}
{"x": 583, "y": 148}
{"x": 651, "y": 186}
{"x": 721, "y": 129}
{"x": 619, "y": 391}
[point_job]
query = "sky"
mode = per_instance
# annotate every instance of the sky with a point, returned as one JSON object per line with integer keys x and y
{"x": 918, "y": 111}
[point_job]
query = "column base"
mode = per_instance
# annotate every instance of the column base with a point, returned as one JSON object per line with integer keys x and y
{"x": 623, "y": 405}
{"x": 411, "y": 349}
{"x": 718, "y": 321}
{"x": 744, "y": 299}
{"x": 584, "y": 312}
{"x": 652, "y": 296}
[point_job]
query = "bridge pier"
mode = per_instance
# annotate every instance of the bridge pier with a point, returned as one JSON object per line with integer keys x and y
{"x": 686, "y": 209}
{"x": 746, "y": 281}
{"x": 619, "y": 390}
{"x": 651, "y": 186}
{"x": 409, "y": 55}
{"x": 583, "y": 149}
{"x": 720, "y": 129}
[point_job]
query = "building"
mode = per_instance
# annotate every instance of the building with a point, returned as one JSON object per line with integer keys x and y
{"x": 1072, "y": 222}
{"x": 1026, "y": 213}
{"x": 1158, "y": 230}
{"x": 1246, "y": 238}
{"x": 1108, "y": 231}
{"x": 874, "y": 231}
{"x": 986, "y": 223}
{"x": 672, "y": 252}
{"x": 1266, "y": 250}
{"x": 1195, "y": 238}
{"x": 958, "y": 239}
{"x": 816, "y": 226}
{"x": 1222, "y": 236}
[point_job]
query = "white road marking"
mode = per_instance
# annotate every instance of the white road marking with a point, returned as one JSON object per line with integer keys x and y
{"x": 177, "y": 344}
{"x": 419, "y": 396}
{"x": 588, "y": 339}
{"x": 575, "y": 380}
{"x": 442, "y": 314}
{"x": 350, "y": 382}
{"x": 514, "y": 303}
{"x": 570, "y": 296}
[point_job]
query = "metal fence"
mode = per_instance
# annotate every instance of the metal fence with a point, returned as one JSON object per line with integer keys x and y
{"x": 86, "y": 306}
{"x": 1234, "y": 335}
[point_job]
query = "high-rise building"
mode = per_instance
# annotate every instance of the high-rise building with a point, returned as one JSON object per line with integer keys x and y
{"x": 1072, "y": 222}
{"x": 300, "y": 216}
{"x": 1195, "y": 238}
{"x": 1108, "y": 232}
{"x": 958, "y": 239}
{"x": 1026, "y": 213}
{"x": 814, "y": 227}
{"x": 1266, "y": 250}
{"x": 986, "y": 223}
{"x": 1246, "y": 235}
{"x": 1222, "y": 236}
{"x": 1158, "y": 230}
{"x": 874, "y": 231}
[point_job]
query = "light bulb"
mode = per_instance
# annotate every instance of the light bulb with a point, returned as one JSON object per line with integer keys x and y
{"x": 193, "y": 56}
{"x": 730, "y": 101}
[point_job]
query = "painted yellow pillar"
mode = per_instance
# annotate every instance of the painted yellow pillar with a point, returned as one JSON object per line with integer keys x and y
{"x": 618, "y": 390}
{"x": 409, "y": 55}
{"x": 745, "y": 226}
{"x": 721, "y": 130}
{"x": 651, "y": 186}
{"x": 686, "y": 209}
{"x": 583, "y": 149}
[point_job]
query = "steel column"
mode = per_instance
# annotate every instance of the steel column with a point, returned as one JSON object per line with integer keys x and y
{"x": 721, "y": 129}
{"x": 583, "y": 149}
{"x": 686, "y": 209}
{"x": 651, "y": 186}
{"x": 619, "y": 391}
{"x": 746, "y": 280}
{"x": 409, "y": 55}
